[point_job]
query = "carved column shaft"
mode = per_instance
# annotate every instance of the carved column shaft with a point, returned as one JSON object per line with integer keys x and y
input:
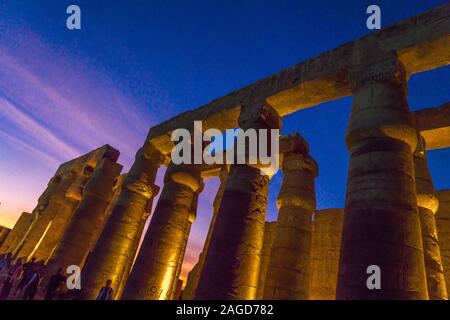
{"x": 194, "y": 274}
{"x": 269, "y": 232}
{"x": 443, "y": 227}
{"x": 325, "y": 253}
{"x": 113, "y": 250}
{"x": 62, "y": 217}
{"x": 157, "y": 263}
{"x": 381, "y": 222}
{"x": 428, "y": 204}
{"x": 80, "y": 235}
{"x": 56, "y": 199}
{"x": 288, "y": 276}
{"x": 231, "y": 267}
{"x": 135, "y": 247}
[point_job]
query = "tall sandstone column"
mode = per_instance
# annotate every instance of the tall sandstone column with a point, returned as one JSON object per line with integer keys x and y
{"x": 39, "y": 228}
{"x": 17, "y": 232}
{"x": 156, "y": 266}
{"x": 269, "y": 232}
{"x": 62, "y": 216}
{"x": 288, "y": 275}
{"x": 232, "y": 262}
{"x": 194, "y": 275}
{"x": 381, "y": 221}
{"x": 428, "y": 204}
{"x": 74, "y": 246}
{"x": 4, "y": 232}
{"x": 137, "y": 241}
{"x": 113, "y": 250}
{"x": 443, "y": 227}
{"x": 27, "y": 226}
{"x": 325, "y": 253}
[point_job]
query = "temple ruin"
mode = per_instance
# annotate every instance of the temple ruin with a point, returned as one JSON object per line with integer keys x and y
{"x": 92, "y": 216}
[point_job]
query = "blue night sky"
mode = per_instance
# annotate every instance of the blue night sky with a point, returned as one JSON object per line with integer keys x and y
{"x": 137, "y": 63}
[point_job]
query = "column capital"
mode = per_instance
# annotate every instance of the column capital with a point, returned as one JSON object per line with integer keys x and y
{"x": 386, "y": 69}
{"x": 142, "y": 174}
{"x": 260, "y": 116}
{"x": 186, "y": 174}
{"x": 295, "y": 154}
{"x": 426, "y": 194}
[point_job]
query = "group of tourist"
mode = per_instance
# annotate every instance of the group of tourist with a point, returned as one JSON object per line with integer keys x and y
{"x": 21, "y": 280}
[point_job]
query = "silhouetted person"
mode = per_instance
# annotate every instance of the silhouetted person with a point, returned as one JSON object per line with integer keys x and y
{"x": 13, "y": 272}
{"x": 5, "y": 261}
{"x": 26, "y": 274}
{"x": 106, "y": 292}
{"x": 54, "y": 286}
{"x": 31, "y": 287}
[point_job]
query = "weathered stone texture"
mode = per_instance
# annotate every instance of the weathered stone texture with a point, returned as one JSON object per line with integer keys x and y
{"x": 443, "y": 227}
{"x": 428, "y": 204}
{"x": 235, "y": 248}
{"x": 325, "y": 253}
{"x": 162, "y": 251}
{"x": 194, "y": 274}
{"x": 114, "y": 248}
{"x": 79, "y": 237}
{"x": 269, "y": 232}
{"x": 4, "y": 231}
{"x": 381, "y": 221}
{"x": 288, "y": 274}
{"x": 17, "y": 233}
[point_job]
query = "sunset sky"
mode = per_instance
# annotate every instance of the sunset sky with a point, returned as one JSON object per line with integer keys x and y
{"x": 137, "y": 63}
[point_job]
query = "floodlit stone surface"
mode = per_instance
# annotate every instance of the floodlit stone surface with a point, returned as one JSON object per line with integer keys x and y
{"x": 428, "y": 204}
{"x": 443, "y": 227}
{"x": 158, "y": 264}
{"x": 17, "y": 233}
{"x": 288, "y": 273}
{"x": 234, "y": 252}
{"x": 114, "y": 248}
{"x": 326, "y": 248}
{"x": 381, "y": 221}
{"x": 194, "y": 274}
{"x": 269, "y": 232}
{"x": 79, "y": 237}
{"x": 4, "y": 231}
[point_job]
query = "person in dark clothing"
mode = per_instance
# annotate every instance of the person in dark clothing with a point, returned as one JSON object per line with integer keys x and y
{"x": 106, "y": 292}
{"x": 31, "y": 287}
{"x": 26, "y": 275}
{"x": 54, "y": 284}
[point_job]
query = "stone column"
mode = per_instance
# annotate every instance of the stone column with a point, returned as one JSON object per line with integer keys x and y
{"x": 157, "y": 263}
{"x": 381, "y": 221}
{"x": 17, "y": 233}
{"x": 74, "y": 246}
{"x": 232, "y": 262}
{"x": 325, "y": 253}
{"x": 288, "y": 275}
{"x": 194, "y": 275}
{"x": 269, "y": 232}
{"x": 62, "y": 217}
{"x": 176, "y": 288}
{"x": 428, "y": 204}
{"x": 56, "y": 199}
{"x": 113, "y": 250}
{"x": 4, "y": 232}
{"x": 137, "y": 241}
{"x": 43, "y": 203}
{"x": 443, "y": 227}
